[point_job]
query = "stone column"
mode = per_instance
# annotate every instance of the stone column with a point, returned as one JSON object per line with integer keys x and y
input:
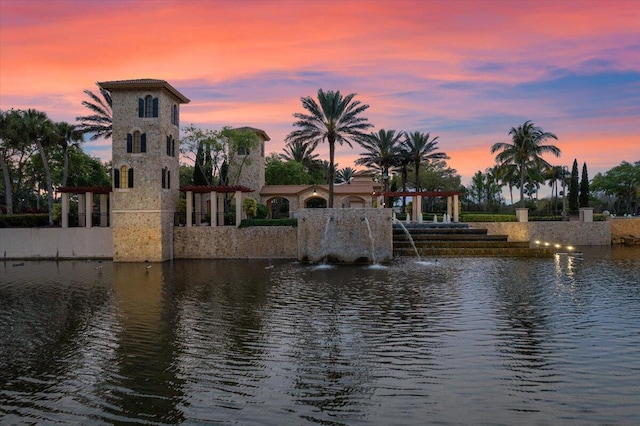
{"x": 65, "y": 210}
{"x": 89, "y": 200}
{"x": 111, "y": 209}
{"x": 586, "y": 214}
{"x": 449, "y": 206}
{"x": 103, "y": 210}
{"x": 418, "y": 209}
{"x": 214, "y": 208}
{"x": 522, "y": 214}
{"x": 189, "y": 208}
{"x": 238, "y": 207}
{"x": 456, "y": 208}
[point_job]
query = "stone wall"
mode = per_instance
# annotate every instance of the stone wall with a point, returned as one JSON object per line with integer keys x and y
{"x": 624, "y": 226}
{"x": 227, "y": 242}
{"x": 565, "y": 233}
{"x": 56, "y": 243}
{"x": 345, "y": 235}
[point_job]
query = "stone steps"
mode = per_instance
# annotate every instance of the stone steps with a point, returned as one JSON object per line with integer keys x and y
{"x": 433, "y": 240}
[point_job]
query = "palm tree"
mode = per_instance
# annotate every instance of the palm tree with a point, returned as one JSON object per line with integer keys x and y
{"x": 99, "y": 124}
{"x": 66, "y": 135}
{"x": 333, "y": 118}
{"x": 553, "y": 175}
{"x": 36, "y": 128}
{"x": 420, "y": 148}
{"x": 382, "y": 152}
{"x": 345, "y": 175}
{"x": 525, "y": 150}
{"x": 301, "y": 152}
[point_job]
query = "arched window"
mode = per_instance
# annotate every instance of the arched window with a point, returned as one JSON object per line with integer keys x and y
{"x": 136, "y": 142}
{"x": 174, "y": 114}
{"x": 171, "y": 146}
{"x": 148, "y": 107}
{"x": 123, "y": 177}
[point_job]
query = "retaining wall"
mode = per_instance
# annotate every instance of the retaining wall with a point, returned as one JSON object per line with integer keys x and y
{"x": 565, "y": 233}
{"x": 229, "y": 242}
{"x": 56, "y": 243}
{"x": 624, "y": 226}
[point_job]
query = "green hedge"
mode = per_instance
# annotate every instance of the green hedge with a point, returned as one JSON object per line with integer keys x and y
{"x": 245, "y": 223}
{"x": 31, "y": 220}
{"x": 486, "y": 217}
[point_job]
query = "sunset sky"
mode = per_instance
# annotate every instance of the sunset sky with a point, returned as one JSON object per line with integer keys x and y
{"x": 466, "y": 71}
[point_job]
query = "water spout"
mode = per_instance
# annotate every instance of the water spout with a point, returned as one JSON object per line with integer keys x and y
{"x": 373, "y": 247}
{"x": 406, "y": 231}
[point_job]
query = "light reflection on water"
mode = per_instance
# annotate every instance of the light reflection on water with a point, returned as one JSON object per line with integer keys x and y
{"x": 474, "y": 340}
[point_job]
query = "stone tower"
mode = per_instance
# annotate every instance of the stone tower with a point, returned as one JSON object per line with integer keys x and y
{"x": 145, "y": 156}
{"x": 251, "y": 162}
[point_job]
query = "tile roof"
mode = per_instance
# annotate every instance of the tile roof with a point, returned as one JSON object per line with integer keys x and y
{"x": 143, "y": 83}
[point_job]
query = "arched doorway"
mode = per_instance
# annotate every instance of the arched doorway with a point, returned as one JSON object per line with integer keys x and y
{"x": 278, "y": 208}
{"x": 315, "y": 203}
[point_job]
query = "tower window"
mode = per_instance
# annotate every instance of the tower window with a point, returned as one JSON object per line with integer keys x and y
{"x": 148, "y": 107}
{"x": 136, "y": 142}
{"x": 174, "y": 114}
{"x": 123, "y": 177}
{"x": 171, "y": 146}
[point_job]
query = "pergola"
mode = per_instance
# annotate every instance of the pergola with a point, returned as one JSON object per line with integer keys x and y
{"x": 85, "y": 204}
{"x": 196, "y": 191}
{"x": 453, "y": 209}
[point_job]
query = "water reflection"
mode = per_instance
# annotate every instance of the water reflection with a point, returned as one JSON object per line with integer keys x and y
{"x": 448, "y": 341}
{"x": 144, "y": 382}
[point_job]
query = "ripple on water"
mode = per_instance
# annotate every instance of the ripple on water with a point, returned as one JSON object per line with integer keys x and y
{"x": 475, "y": 340}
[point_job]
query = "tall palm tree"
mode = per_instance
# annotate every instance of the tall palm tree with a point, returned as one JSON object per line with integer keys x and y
{"x": 554, "y": 174}
{"x": 421, "y": 149}
{"x": 525, "y": 151}
{"x": 382, "y": 152}
{"x": 36, "y": 128}
{"x": 99, "y": 124}
{"x": 334, "y": 118}
{"x": 66, "y": 135}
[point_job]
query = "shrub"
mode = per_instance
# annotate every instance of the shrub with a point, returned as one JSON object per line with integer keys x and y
{"x": 245, "y": 223}
{"x": 24, "y": 220}
{"x": 486, "y": 217}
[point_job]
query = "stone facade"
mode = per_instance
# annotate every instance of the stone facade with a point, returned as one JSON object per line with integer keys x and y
{"x": 229, "y": 242}
{"x": 345, "y": 235}
{"x": 142, "y": 214}
{"x": 565, "y": 233}
{"x": 623, "y": 227}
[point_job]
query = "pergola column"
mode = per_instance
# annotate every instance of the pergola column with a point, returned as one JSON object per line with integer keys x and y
{"x": 456, "y": 208}
{"x": 103, "y": 210}
{"x": 238, "y": 207}
{"x": 189, "y": 208}
{"x": 82, "y": 207}
{"x": 449, "y": 206}
{"x": 88, "y": 199}
{"x": 214, "y": 208}
{"x": 418, "y": 209}
{"x": 65, "y": 210}
{"x": 198, "y": 203}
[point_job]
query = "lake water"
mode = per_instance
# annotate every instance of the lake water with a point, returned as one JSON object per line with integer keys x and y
{"x": 443, "y": 341}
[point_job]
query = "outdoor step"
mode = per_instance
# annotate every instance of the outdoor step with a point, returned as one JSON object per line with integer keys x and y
{"x": 461, "y": 244}
{"x": 451, "y": 237}
{"x": 439, "y": 231}
{"x": 479, "y": 252}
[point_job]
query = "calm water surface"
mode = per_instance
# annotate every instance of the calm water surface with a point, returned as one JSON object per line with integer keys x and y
{"x": 452, "y": 341}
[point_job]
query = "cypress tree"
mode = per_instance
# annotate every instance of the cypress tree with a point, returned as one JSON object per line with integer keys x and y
{"x": 584, "y": 187}
{"x": 573, "y": 189}
{"x": 198, "y": 171}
